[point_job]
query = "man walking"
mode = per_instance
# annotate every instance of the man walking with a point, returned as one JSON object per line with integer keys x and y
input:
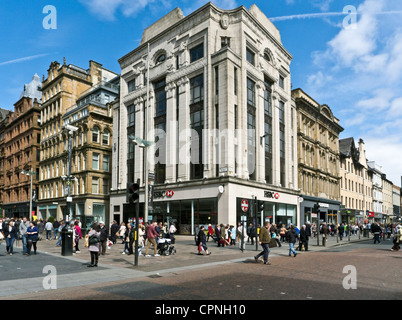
{"x": 303, "y": 238}
{"x": 376, "y": 231}
{"x": 340, "y": 229}
{"x": 291, "y": 237}
{"x": 56, "y": 226}
{"x": 23, "y": 227}
{"x": 265, "y": 239}
{"x": 48, "y": 228}
{"x": 151, "y": 235}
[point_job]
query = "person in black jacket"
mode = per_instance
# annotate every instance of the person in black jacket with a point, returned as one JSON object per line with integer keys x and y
{"x": 292, "y": 237}
{"x": 113, "y": 231}
{"x": 10, "y": 234}
{"x": 202, "y": 241}
{"x": 303, "y": 238}
{"x": 104, "y": 236}
{"x": 376, "y": 231}
{"x": 341, "y": 229}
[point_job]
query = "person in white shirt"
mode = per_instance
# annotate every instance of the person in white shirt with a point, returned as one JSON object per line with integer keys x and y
{"x": 49, "y": 228}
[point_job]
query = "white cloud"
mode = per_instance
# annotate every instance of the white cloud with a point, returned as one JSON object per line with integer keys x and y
{"x": 386, "y": 150}
{"x": 323, "y": 5}
{"x": 106, "y": 9}
{"x": 359, "y": 75}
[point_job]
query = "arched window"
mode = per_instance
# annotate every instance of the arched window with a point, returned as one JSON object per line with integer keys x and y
{"x": 105, "y": 137}
{"x": 95, "y": 135}
{"x": 161, "y": 58}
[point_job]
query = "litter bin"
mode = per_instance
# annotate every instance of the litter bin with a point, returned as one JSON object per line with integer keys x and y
{"x": 67, "y": 242}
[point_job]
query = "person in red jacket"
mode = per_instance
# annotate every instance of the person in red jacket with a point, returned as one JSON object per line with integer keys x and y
{"x": 151, "y": 235}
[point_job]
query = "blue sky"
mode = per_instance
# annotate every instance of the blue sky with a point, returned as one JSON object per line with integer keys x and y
{"x": 356, "y": 71}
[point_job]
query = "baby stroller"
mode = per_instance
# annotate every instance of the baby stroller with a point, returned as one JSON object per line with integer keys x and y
{"x": 165, "y": 247}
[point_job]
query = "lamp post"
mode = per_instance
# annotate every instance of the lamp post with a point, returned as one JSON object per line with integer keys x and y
{"x": 69, "y": 177}
{"x": 142, "y": 144}
{"x": 29, "y": 173}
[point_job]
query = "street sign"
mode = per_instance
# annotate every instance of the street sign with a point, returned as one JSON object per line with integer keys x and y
{"x": 244, "y": 205}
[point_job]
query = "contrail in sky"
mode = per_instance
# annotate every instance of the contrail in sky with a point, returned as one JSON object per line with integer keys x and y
{"x": 323, "y": 15}
{"x": 23, "y": 59}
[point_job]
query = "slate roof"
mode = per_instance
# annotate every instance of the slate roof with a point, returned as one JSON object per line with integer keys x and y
{"x": 33, "y": 89}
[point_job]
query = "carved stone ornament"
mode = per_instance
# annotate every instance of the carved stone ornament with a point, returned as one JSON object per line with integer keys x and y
{"x": 225, "y": 21}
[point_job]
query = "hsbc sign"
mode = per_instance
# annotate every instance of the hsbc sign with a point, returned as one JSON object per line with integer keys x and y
{"x": 271, "y": 195}
{"x": 163, "y": 194}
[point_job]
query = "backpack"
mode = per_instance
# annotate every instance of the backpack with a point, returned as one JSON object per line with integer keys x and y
{"x": 93, "y": 240}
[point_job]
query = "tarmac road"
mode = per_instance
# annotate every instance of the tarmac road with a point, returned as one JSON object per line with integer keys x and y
{"x": 316, "y": 275}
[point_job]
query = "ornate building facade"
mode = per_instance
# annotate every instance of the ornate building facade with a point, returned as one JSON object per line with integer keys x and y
{"x": 222, "y": 117}
{"x": 21, "y": 150}
{"x": 64, "y": 85}
{"x": 318, "y": 151}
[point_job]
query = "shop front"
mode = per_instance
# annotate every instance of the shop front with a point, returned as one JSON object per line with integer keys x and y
{"x": 19, "y": 210}
{"x": 328, "y": 210}
{"x": 190, "y": 205}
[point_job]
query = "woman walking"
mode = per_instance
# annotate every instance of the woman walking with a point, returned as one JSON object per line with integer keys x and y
{"x": 202, "y": 242}
{"x": 122, "y": 232}
{"x": 32, "y": 237}
{"x": 94, "y": 238}
{"x": 10, "y": 233}
{"x": 77, "y": 236}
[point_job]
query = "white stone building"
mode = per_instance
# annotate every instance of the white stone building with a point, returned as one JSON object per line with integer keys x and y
{"x": 213, "y": 71}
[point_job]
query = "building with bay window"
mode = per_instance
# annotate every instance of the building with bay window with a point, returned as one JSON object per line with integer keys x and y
{"x": 21, "y": 151}
{"x": 220, "y": 115}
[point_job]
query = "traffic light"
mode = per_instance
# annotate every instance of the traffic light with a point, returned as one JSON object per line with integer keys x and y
{"x": 316, "y": 208}
{"x": 260, "y": 206}
{"x": 133, "y": 192}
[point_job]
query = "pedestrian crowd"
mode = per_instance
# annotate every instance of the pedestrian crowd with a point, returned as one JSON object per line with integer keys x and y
{"x": 100, "y": 237}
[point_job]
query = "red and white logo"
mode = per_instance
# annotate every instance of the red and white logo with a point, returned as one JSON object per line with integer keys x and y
{"x": 169, "y": 193}
{"x": 244, "y": 205}
{"x": 276, "y": 195}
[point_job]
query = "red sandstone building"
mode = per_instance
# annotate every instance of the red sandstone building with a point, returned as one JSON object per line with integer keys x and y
{"x": 21, "y": 152}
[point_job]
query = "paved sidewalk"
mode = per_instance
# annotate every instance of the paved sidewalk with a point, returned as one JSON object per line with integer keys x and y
{"x": 186, "y": 253}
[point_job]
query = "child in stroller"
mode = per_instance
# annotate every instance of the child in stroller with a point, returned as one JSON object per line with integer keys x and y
{"x": 165, "y": 247}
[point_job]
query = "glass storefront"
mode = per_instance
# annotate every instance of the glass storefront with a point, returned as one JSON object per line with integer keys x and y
{"x": 275, "y": 213}
{"x": 187, "y": 213}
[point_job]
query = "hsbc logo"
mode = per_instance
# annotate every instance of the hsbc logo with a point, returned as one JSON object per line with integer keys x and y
{"x": 271, "y": 195}
{"x": 162, "y": 194}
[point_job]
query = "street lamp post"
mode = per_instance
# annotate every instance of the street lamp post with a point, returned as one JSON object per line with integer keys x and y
{"x": 69, "y": 177}
{"x": 29, "y": 173}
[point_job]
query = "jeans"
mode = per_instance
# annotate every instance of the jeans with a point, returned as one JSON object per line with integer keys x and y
{"x": 9, "y": 244}
{"x": 48, "y": 234}
{"x": 266, "y": 251}
{"x": 59, "y": 241}
{"x": 291, "y": 249}
{"x": 55, "y": 233}
{"x": 24, "y": 243}
{"x": 377, "y": 238}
